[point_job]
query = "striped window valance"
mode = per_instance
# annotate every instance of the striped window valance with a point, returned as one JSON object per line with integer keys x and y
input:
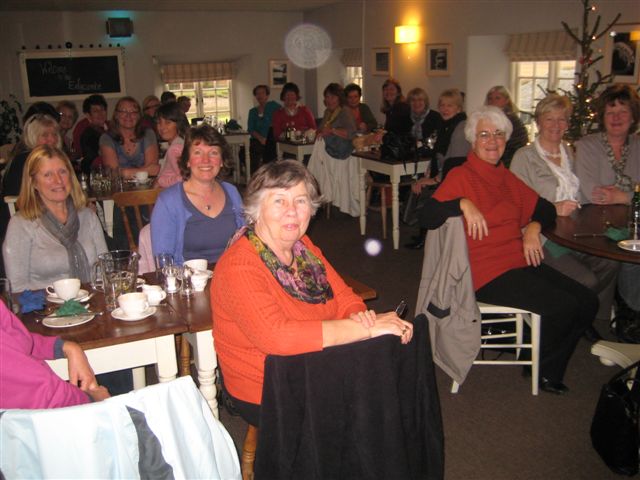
{"x": 197, "y": 72}
{"x": 351, "y": 57}
{"x": 541, "y": 46}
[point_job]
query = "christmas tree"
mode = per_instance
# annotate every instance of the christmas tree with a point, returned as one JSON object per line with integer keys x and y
{"x": 588, "y": 78}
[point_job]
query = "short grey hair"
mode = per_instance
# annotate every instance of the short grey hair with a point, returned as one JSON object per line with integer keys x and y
{"x": 489, "y": 114}
{"x": 35, "y": 126}
{"x": 283, "y": 174}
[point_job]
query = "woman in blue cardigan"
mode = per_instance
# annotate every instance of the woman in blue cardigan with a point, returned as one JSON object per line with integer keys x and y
{"x": 196, "y": 218}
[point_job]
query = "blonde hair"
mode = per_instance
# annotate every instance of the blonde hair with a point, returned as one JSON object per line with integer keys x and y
{"x": 29, "y": 202}
{"x": 502, "y": 90}
{"x": 418, "y": 93}
{"x": 455, "y": 95}
{"x": 553, "y": 101}
{"x": 35, "y": 126}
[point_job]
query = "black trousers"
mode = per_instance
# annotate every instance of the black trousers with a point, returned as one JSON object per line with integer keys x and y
{"x": 566, "y": 308}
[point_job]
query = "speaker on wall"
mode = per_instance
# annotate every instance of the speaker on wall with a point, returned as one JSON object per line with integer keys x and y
{"x": 119, "y": 27}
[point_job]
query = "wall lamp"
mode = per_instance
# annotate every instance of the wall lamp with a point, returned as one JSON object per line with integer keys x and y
{"x": 406, "y": 34}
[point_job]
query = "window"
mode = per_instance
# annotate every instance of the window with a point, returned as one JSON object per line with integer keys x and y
{"x": 354, "y": 75}
{"x": 210, "y": 97}
{"x": 531, "y": 79}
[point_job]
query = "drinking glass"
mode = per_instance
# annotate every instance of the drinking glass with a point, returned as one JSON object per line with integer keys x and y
{"x": 187, "y": 286}
{"x": 172, "y": 278}
{"x": 162, "y": 260}
{"x": 5, "y": 293}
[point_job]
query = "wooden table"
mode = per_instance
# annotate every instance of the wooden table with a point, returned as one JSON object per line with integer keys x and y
{"x": 112, "y": 344}
{"x": 592, "y": 219}
{"x": 395, "y": 169}
{"x": 235, "y": 139}
{"x": 294, "y": 148}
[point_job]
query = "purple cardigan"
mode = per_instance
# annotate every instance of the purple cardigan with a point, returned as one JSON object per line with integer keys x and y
{"x": 26, "y": 381}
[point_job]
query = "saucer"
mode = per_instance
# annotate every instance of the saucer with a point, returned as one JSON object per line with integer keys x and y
{"x": 630, "y": 245}
{"x": 64, "y": 322}
{"x": 82, "y": 296}
{"x": 119, "y": 314}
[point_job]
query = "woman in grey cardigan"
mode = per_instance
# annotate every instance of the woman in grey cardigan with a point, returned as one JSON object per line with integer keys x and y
{"x": 547, "y": 166}
{"x": 53, "y": 235}
{"x": 608, "y": 166}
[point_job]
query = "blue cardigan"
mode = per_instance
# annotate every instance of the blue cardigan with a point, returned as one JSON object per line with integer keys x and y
{"x": 169, "y": 219}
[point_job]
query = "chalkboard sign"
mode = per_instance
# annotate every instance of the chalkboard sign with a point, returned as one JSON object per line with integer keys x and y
{"x": 71, "y": 74}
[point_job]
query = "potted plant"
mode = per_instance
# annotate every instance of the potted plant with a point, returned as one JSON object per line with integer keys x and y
{"x": 10, "y": 113}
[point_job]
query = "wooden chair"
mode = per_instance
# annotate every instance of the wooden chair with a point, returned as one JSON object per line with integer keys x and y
{"x": 249, "y": 452}
{"x": 135, "y": 199}
{"x": 385, "y": 203}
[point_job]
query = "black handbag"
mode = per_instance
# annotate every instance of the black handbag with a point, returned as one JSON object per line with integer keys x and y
{"x": 614, "y": 429}
{"x": 396, "y": 146}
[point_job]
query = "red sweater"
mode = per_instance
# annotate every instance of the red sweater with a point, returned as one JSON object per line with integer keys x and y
{"x": 507, "y": 205}
{"x": 303, "y": 120}
{"x": 254, "y": 317}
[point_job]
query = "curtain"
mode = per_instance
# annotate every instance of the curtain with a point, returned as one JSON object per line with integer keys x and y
{"x": 541, "y": 46}
{"x": 197, "y": 72}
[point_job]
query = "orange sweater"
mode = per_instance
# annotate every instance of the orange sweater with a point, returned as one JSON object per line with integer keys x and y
{"x": 254, "y": 317}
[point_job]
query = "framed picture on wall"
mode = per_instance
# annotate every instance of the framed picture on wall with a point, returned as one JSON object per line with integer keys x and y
{"x": 279, "y": 72}
{"x": 382, "y": 62}
{"x": 438, "y": 59}
{"x": 622, "y": 53}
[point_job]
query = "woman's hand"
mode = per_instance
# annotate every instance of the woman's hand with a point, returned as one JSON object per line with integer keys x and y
{"x": 609, "y": 195}
{"x": 390, "y": 324}
{"x": 366, "y": 318}
{"x": 531, "y": 244}
{"x": 324, "y": 131}
{"x": 98, "y": 393}
{"x": 476, "y": 224}
{"x": 565, "y": 208}
{"x": 80, "y": 372}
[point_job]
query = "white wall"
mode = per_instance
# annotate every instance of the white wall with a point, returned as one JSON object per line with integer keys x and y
{"x": 488, "y": 69}
{"x": 249, "y": 38}
{"x": 475, "y": 68}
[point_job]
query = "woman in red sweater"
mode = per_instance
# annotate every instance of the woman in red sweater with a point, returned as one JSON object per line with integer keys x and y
{"x": 274, "y": 292}
{"x": 503, "y": 218}
{"x": 292, "y": 114}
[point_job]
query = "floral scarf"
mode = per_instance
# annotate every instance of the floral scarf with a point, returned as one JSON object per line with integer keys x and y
{"x": 309, "y": 284}
{"x": 623, "y": 181}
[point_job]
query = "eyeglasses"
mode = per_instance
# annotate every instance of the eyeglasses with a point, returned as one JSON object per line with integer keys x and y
{"x": 128, "y": 113}
{"x": 485, "y": 136}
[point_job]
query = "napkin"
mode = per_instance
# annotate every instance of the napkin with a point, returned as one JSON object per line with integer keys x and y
{"x": 617, "y": 234}
{"x": 30, "y": 301}
{"x": 556, "y": 250}
{"x": 71, "y": 307}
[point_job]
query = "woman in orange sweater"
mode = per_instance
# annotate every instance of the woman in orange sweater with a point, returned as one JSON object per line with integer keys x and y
{"x": 274, "y": 292}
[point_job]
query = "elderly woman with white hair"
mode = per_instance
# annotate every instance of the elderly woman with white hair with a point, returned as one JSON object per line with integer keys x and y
{"x": 503, "y": 219}
{"x": 39, "y": 129}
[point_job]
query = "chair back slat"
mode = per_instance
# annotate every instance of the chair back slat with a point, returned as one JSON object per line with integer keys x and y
{"x": 135, "y": 199}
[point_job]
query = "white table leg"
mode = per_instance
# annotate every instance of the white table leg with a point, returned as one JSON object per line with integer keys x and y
{"x": 139, "y": 378}
{"x": 206, "y": 362}
{"x": 247, "y": 159}
{"x": 363, "y": 200}
{"x": 107, "y": 206}
{"x": 395, "y": 212}
{"x": 236, "y": 162}
{"x": 278, "y": 151}
{"x": 166, "y": 355}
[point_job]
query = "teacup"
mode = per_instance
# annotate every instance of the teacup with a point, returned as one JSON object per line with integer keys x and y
{"x": 155, "y": 294}
{"x": 197, "y": 264}
{"x": 65, "y": 289}
{"x": 142, "y": 177}
{"x": 199, "y": 281}
{"x": 133, "y": 304}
